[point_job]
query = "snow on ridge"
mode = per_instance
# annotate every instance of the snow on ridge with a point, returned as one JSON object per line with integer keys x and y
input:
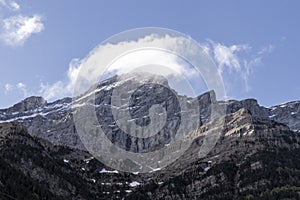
{"x": 155, "y": 169}
{"x": 288, "y": 104}
{"x": 42, "y": 111}
{"x": 78, "y": 105}
{"x": 19, "y": 118}
{"x": 105, "y": 88}
{"x": 107, "y": 171}
{"x": 58, "y": 105}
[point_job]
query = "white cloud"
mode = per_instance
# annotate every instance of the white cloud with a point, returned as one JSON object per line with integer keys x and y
{"x": 8, "y": 87}
{"x": 91, "y": 66}
{"x": 226, "y": 56}
{"x": 18, "y": 29}
{"x": 10, "y": 4}
{"x": 19, "y": 87}
{"x": 236, "y": 59}
{"x": 22, "y": 88}
{"x": 14, "y": 5}
{"x": 56, "y": 90}
{"x": 61, "y": 88}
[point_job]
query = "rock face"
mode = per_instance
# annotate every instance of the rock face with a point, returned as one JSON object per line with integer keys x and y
{"x": 287, "y": 113}
{"x": 51, "y": 121}
{"x": 248, "y": 162}
{"x": 249, "y": 104}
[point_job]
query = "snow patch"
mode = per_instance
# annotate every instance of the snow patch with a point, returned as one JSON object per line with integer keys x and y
{"x": 134, "y": 184}
{"x": 271, "y": 116}
{"x": 206, "y": 169}
{"x": 93, "y": 180}
{"x": 105, "y": 183}
{"x": 155, "y": 169}
{"x": 105, "y": 192}
{"x": 87, "y": 160}
{"x": 273, "y": 108}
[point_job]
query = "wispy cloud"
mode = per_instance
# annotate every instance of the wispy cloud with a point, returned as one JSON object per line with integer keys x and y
{"x": 18, "y": 29}
{"x": 10, "y": 4}
{"x": 266, "y": 49}
{"x": 237, "y": 59}
{"x": 19, "y": 87}
{"x": 8, "y": 87}
{"x": 226, "y": 56}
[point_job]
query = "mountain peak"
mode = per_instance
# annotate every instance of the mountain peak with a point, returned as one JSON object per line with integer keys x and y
{"x": 207, "y": 97}
{"x": 30, "y": 103}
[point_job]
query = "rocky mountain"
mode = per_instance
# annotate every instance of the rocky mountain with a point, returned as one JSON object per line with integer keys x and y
{"x": 54, "y": 121}
{"x": 256, "y": 156}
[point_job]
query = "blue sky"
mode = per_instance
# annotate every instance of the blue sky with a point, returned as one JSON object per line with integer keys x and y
{"x": 255, "y": 43}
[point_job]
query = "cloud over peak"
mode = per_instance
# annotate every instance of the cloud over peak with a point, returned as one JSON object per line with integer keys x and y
{"x": 233, "y": 62}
